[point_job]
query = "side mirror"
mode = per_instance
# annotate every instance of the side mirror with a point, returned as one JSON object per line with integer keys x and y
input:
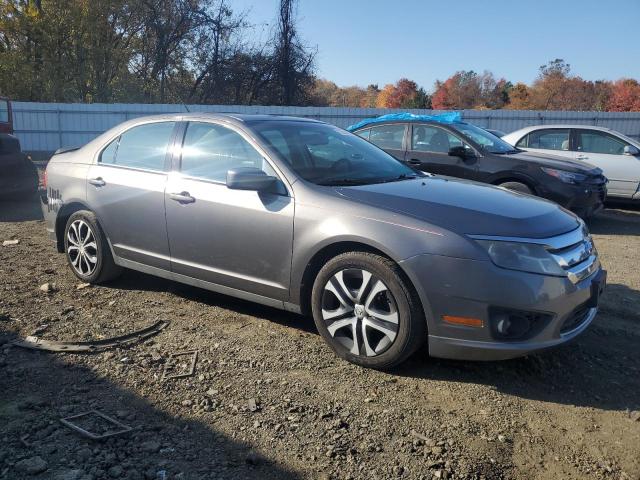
{"x": 631, "y": 150}
{"x": 462, "y": 152}
{"x": 249, "y": 178}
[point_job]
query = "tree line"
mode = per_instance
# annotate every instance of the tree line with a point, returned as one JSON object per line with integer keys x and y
{"x": 151, "y": 51}
{"x": 555, "y": 88}
{"x": 205, "y": 52}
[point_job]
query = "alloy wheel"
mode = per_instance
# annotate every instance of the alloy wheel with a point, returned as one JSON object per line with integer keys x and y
{"x": 360, "y": 312}
{"x": 82, "y": 248}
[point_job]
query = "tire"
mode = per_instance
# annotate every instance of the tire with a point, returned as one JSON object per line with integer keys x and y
{"x": 385, "y": 295}
{"x": 84, "y": 238}
{"x": 517, "y": 187}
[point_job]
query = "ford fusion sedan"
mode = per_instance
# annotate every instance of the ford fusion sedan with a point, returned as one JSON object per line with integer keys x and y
{"x": 462, "y": 150}
{"x": 616, "y": 154}
{"x": 307, "y": 217}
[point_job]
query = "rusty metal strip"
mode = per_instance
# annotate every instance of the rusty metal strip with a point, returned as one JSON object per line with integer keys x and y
{"x": 36, "y": 343}
{"x": 94, "y": 436}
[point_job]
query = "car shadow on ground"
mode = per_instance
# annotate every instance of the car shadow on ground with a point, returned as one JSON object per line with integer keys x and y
{"x": 616, "y": 222}
{"x": 23, "y": 210}
{"x": 586, "y": 372}
{"x": 41, "y": 388}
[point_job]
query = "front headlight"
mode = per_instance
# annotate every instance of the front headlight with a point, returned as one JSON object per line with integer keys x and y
{"x": 526, "y": 257}
{"x": 564, "y": 176}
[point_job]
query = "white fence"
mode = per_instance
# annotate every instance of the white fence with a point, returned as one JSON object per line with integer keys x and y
{"x": 48, "y": 126}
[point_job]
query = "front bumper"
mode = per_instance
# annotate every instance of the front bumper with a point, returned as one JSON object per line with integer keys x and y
{"x": 474, "y": 288}
{"x": 585, "y": 199}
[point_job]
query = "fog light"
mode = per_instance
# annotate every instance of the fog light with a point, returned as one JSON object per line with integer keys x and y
{"x": 516, "y": 325}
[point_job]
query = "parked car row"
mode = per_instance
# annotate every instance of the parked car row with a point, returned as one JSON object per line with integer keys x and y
{"x": 462, "y": 150}
{"x": 615, "y": 154}
{"x": 307, "y": 217}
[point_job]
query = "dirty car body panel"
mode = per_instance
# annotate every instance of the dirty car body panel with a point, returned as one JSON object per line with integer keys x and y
{"x": 182, "y": 221}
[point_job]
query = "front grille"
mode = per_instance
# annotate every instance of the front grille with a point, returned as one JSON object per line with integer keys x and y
{"x": 578, "y": 256}
{"x": 598, "y": 185}
{"x": 575, "y": 319}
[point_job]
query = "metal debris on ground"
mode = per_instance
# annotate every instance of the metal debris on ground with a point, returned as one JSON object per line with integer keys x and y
{"x": 36, "y": 343}
{"x": 174, "y": 359}
{"x": 97, "y": 420}
{"x": 8, "y": 243}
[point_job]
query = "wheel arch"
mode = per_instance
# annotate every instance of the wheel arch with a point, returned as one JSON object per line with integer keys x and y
{"x": 516, "y": 177}
{"x": 65, "y": 212}
{"x": 324, "y": 254}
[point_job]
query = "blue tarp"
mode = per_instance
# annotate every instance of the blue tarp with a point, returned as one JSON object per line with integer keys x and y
{"x": 451, "y": 117}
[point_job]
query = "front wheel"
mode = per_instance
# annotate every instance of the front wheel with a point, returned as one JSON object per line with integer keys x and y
{"x": 366, "y": 311}
{"x": 517, "y": 187}
{"x": 87, "y": 251}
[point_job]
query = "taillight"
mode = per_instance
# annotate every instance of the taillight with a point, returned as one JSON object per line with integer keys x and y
{"x": 44, "y": 180}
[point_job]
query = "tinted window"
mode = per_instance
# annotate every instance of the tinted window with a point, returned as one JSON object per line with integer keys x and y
{"x": 4, "y": 111}
{"x": 387, "y": 136}
{"x": 327, "y": 155}
{"x": 599, "y": 142}
{"x": 210, "y": 150}
{"x": 143, "y": 147}
{"x": 427, "y": 138}
{"x": 364, "y": 133}
{"x": 553, "y": 139}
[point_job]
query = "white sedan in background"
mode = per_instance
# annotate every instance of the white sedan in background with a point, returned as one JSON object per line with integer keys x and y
{"x": 617, "y": 155}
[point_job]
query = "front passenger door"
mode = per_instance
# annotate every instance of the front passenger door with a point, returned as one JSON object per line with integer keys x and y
{"x": 239, "y": 239}
{"x": 429, "y": 151}
{"x": 607, "y": 152}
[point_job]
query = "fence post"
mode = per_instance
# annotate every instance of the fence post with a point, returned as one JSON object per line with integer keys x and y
{"x": 58, "y": 115}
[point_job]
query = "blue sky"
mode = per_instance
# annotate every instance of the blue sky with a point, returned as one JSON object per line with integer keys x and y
{"x": 379, "y": 41}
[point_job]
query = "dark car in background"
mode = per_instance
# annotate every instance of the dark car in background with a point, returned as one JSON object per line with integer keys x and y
{"x": 462, "y": 150}
{"x": 18, "y": 175}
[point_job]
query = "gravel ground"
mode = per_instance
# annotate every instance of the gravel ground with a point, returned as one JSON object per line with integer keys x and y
{"x": 269, "y": 399}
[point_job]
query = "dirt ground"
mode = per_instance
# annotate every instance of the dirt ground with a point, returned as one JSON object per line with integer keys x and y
{"x": 269, "y": 400}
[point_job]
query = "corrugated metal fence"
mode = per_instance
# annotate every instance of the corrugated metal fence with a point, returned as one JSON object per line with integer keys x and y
{"x": 48, "y": 126}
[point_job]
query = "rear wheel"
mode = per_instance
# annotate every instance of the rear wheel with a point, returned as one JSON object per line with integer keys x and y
{"x": 518, "y": 187}
{"x": 366, "y": 311}
{"x": 87, "y": 250}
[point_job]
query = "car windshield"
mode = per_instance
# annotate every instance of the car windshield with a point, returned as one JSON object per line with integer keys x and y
{"x": 327, "y": 155}
{"x": 488, "y": 141}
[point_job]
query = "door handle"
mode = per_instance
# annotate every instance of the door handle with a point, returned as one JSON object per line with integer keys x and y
{"x": 415, "y": 161}
{"x": 582, "y": 157}
{"x": 97, "y": 182}
{"x": 182, "y": 197}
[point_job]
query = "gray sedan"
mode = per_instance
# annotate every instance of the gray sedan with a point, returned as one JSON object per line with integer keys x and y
{"x": 304, "y": 216}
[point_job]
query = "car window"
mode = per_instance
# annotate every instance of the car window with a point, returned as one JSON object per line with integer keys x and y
{"x": 4, "y": 111}
{"x": 210, "y": 150}
{"x": 599, "y": 142}
{"x": 427, "y": 138}
{"x": 327, "y": 155}
{"x": 548, "y": 139}
{"x": 144, "y": 146}
{"x": 388, "y": 136}
{"x": 364, "y": 133}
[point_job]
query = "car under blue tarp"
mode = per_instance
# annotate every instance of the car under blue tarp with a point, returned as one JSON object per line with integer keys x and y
{"x": 450, "y": 117}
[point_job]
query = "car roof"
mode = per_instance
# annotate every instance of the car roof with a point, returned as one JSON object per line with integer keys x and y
{"x": 425, "y": 122}
{"x": 245, "y": 118}
{"x": 562, "y": 125}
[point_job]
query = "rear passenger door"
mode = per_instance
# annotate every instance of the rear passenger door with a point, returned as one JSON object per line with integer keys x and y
{"x": 391, "y": 138}
{"x": 125, "y": 188}
{"x": 606, "y": 151}
{"x": 429, "y": 151}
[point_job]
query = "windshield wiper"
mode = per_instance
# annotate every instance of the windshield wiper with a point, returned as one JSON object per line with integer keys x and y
{"x": 507, "y": 152}
{"x": 344, "y": 182}
{"x": 402, "y": 176}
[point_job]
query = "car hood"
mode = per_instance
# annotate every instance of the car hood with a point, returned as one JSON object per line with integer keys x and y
{"x": 556, "y": 161}
{"x": 467, "y": 207}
